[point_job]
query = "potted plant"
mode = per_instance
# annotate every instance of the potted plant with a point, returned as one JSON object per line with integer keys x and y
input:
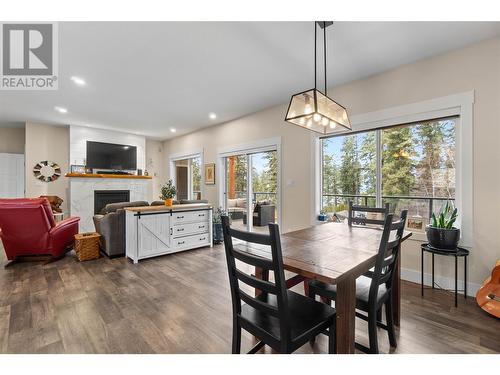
{"x": 168, "y": 192}
{"x": 441, "y": 233}
{"x": 322, "y": 216}
{"x": 217, "y": 224}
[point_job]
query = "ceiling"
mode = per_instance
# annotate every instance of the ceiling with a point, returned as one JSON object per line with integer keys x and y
{"x": 149, "y": 77}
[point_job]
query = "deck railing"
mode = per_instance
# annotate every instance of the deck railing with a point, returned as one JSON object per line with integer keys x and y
{"x": 369, "y": 200}
{"x": 257, "y": 195}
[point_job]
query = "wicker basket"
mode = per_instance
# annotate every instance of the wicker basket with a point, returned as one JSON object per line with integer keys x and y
{"x": 87, "y": 246}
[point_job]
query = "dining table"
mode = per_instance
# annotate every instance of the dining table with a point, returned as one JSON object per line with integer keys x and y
{"x": 338, "y": 254}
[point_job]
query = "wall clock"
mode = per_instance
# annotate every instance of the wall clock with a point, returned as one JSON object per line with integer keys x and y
{"x": 47, "y": 171}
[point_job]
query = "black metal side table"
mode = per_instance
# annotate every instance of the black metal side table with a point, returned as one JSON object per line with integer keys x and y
{"x": 458, "y": 252}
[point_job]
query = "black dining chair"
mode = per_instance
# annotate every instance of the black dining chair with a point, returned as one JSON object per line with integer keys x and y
{"x": 361, "y": 219}
{"x": 375, "y": 289}
{"x": 278, "y": 317}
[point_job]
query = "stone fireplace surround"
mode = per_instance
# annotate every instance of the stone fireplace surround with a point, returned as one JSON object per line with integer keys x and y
{"x": 82, "y": 195}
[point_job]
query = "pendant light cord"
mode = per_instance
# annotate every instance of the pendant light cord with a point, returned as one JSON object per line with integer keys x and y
{"x": 324, "y": 50}
{"x": 315, "y": 63}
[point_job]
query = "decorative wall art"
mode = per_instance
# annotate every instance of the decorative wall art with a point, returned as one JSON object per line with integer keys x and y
{"x": 47, "y": 171}
{"x": 210, "y": 174}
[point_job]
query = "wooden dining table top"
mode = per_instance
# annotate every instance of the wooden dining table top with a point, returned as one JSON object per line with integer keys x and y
{"x": 328, "y": 252}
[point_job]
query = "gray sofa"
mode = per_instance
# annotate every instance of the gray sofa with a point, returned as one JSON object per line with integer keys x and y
{"x": 110, "y": 224}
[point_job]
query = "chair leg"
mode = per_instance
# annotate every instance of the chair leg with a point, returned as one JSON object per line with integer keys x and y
{"x": 372, "y": 332}
{"x": 310, "y": 293}
{"x": 236, "y": 349}
{"x": 332, "y": 342}
{"x": 390, "y": 323}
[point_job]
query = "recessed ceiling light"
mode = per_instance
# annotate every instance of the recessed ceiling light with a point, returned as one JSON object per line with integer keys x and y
{"x": 61, "y": 109}
{"x": 173, "y": 130}
{"x": 212, "y": 116}
{"x": 79, "y": 81}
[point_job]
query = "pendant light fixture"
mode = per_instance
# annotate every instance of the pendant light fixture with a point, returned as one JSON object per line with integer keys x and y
{"x": 313, "y": 109}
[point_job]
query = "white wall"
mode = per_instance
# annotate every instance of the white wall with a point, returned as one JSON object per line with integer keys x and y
{"x": 154, "y": 166}
{"x": 12, "y": 140}
{"x": 47, "y": 142}
{"x": 79, "y": 136}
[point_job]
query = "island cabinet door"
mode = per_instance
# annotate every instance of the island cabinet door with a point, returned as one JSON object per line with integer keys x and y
{"x": 153, "y": 235}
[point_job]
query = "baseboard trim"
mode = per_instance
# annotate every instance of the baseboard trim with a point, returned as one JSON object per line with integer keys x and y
{"x": 444, "y": 282}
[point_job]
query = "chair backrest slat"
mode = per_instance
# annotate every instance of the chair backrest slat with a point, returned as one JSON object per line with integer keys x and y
{"x": 259, "y": 305}
{"x": 253, "y": 260}
{"x": 353, "y": 219}
{"x": 262, "y": 285}
{"x": 388, "y": 254}
{"x": 392, "y": 244}
{"x": 258, "y": 238}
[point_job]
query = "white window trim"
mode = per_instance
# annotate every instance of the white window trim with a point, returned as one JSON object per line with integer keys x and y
{"x": 188, "y": 155}
{"x": 461, "y": 104}
{"x": 268, "y": 144}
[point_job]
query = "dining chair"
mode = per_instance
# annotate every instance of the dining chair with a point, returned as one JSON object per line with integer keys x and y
{"x": 375, "y": 289}
{"x": 362, "y": 220}
{"x": 279, "y": 318}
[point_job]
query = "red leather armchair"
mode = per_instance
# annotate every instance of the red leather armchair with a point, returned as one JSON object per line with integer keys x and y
{"x": 27, "y": 227}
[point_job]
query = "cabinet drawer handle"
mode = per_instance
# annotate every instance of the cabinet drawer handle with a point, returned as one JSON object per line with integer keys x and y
{"x": 201, "y": 215}
{"x": 203, "y": 238}
{"x": 201, "y": 226}
{"x": 180, "y": 242}
{"x": 180, "y": 229}
{"x": 180, "y": 217}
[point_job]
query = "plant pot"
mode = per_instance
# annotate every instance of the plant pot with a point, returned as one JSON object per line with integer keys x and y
{"x": 169, "y": 202}
{"x": 440, "y": 238}
{"x": 217, "y": 233}
{"x": 322, "y": 217}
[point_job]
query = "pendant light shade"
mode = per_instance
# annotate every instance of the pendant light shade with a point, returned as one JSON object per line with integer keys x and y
{"x": 313, "y": 109}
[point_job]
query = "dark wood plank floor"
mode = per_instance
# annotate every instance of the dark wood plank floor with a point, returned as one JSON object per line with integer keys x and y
{"x": 180, "y": 303}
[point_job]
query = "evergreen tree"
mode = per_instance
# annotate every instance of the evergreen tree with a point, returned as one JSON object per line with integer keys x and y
{"x": 367, "y": 156}
{"x": 449, "y": 156}
{"x": 195, "y": 168}
{"x": 430, "y": 136}
{"x": 240, "y": 171}
{"x": 397, "y": 169}
{"x": 270, "y": 174}
{"x": 330, "y": 180}
{"x": 349, "y": 174}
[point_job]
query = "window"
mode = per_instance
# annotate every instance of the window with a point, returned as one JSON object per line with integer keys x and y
{"x": 408, "y": 166}
{"x": 186, "y": 174}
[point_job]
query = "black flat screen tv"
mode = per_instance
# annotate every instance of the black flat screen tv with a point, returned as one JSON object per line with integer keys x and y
{"x": 111, "y": 156}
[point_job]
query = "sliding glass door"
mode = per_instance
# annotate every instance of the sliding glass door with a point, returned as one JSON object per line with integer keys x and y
{"x": 251, "y": 189}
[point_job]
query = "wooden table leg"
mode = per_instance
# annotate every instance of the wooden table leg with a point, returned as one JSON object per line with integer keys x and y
{"x": 263, "y": 275}
{"x": 396, "y": 292}
{"x": 346, "y": 315}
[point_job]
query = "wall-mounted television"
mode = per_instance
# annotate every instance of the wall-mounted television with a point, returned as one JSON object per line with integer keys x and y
{"x": 111, "y": 156}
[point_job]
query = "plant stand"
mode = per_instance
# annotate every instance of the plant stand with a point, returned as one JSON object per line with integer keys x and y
{"x": 458, "y": 252}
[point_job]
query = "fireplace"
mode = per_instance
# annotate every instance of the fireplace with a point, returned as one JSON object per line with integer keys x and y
{"x": 104, "y": 197}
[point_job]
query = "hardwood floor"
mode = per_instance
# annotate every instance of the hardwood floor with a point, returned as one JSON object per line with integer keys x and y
{"x": 180, "y": 303}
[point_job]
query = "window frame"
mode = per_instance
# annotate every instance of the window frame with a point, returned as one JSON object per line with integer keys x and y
{"x": 460, "y": 105}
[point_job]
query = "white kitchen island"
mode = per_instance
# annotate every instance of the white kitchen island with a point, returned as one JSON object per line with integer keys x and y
{"x": 158, "y": 230}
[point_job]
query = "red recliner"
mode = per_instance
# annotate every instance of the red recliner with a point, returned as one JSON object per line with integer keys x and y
{"x": 27, "y": 227}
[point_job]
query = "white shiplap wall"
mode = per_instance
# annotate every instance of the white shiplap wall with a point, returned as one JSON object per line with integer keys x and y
{"x": 79, "y": 136}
